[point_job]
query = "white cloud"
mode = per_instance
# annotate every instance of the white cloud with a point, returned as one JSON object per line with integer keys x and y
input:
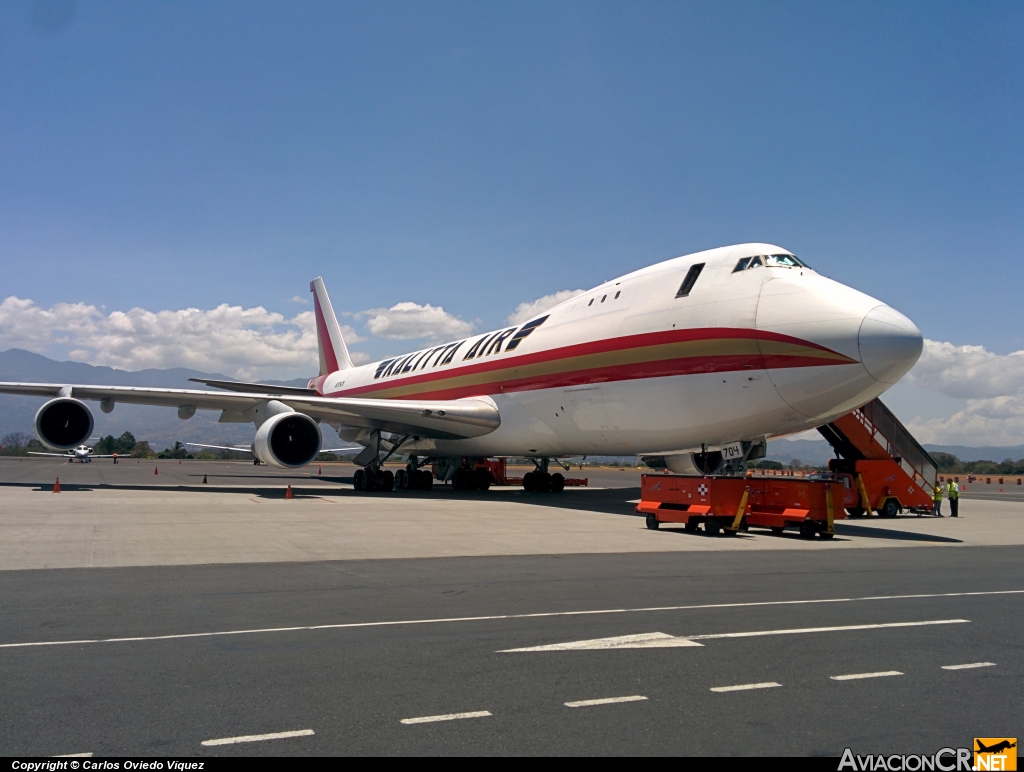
{"x": 407, "y": 321}
{"x": 300, "y": 300}
{"x": 968, "y": 372}
{"x": 992, "y": 386}
{"x": 246, "y": 342}
{"x": 526, "y": 311}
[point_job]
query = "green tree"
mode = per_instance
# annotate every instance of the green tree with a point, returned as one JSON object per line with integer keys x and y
{"x": 178, "y": 451}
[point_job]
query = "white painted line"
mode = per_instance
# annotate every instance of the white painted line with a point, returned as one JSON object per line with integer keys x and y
{"x": 858, "y": 676}
{"x": 605, "y": 701}
{"x": 74, "y": 756}
{"x": 664, "y": 641}
{"x": 968, "y": 666}
{"x": 744, "y": 687}
{"x": 842, "y": 628}
{"x": 255, "y": 738}
{"x": 500, "y": 617}
{"x": 446, "y": 717}
{"x": 638, "y": 641}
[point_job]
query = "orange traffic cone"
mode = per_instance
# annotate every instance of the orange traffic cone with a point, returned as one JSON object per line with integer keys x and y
{"x": 319, "y": 468}
{"x": 204, "y": 479}
{"x": 56, "y": 486}
{"x": 288, "y": 493}
{"x": 155, "y": 470}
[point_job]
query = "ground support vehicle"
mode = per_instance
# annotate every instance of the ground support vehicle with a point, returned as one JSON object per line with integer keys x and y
{"x": 732, "y": 504}
{"x": 892, "y": 471}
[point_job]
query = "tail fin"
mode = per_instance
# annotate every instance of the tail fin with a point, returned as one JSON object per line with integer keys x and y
{"x": 333, "y": 351}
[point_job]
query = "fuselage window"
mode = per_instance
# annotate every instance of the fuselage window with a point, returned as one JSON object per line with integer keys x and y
{"x": 690, "y": 280}
{"x": 604, "y": 298}
{"x": 524, "y": 331}
{"x": 741, "y": 264}
{"x": 617, "y": 295}
{"x": 590, "y": 303}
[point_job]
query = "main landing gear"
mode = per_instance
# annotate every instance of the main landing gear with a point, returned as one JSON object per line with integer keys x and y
{"x": 541, "y": 480}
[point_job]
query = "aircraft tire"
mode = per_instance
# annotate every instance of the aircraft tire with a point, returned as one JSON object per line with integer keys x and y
{"x": 483, "y": 479}
{"x": 402, "y": 480}
{"x": 528, "y": 479}
{"x": 652, "y": 522}
{"x": 386, "y": 481}
{"x": 557, "y": 483}
{"x": 426, "y": 478}
{"x": 542, "y": 482}
{"x": 359, "y": 480}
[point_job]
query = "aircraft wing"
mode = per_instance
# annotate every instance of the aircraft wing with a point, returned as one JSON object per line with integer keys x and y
{"x": 220, "y": 447}
{"x": 434, "y": 419}
{"x": 61, "y": 455}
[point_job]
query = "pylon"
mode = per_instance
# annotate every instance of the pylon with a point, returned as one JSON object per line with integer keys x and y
{"x": 288, "y": 493}
{"x": 56, "y": 486}
{"x": 319, "y": 468}
{"x": 204, "y": 479}
{"x": 155, "y": 470}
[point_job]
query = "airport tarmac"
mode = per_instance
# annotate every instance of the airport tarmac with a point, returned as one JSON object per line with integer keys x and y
{"x": 171, "y": 618}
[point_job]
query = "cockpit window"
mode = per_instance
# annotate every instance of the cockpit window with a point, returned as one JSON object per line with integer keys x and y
{"x": 741, "y": 264}
{"x": 756, "y": 262}
{"x": 789, "y": 261}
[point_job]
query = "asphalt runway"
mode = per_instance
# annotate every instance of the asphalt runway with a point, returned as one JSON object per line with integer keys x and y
{"x": 352, "y": 686}
{"x": 346, "y": 623}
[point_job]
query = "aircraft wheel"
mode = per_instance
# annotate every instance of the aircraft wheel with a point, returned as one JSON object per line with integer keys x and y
{"x": 712, "y": 527}
{"x": 402, "y": 479}
{"x": 557, "y": 482}
{"x": 359, "y": 480}
{"x": 778, "y": 529}
{"x": 424, "y": 479}
{"x": 386, "y": 481}
{"x": 542, "y": 482}
{"x": 528, "y": 479}
{"x": 652, "y": 522}
{"x": 807, "y": 530}
{"x": 483, "y": 479}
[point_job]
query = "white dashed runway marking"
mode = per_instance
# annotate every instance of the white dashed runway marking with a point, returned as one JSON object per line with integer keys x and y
{"x": 857, "y": 676}
{"x": 968, "y": 666}
{"x": 446, "y": 717}
{"x": 604, "y": 701}
{"x": 255, "y": 738}
{"x": 745, "y": 687}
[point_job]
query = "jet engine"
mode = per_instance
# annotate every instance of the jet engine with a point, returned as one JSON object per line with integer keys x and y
{"x": 64, "y": 423}
{"x": 287, "y": 440}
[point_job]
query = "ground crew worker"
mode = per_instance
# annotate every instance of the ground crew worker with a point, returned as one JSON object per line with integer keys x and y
{"x": 115, "y": 458}
{"x": 937, "y": 498}
{"x": 953, "y": 490}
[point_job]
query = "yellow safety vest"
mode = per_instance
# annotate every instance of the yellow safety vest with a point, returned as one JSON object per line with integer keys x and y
{"x": 937, "y": 493}
{"x": 954, "y": 490}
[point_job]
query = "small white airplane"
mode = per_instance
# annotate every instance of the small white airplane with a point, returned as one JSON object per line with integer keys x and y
{"x": 256, "y": 459}
{"x": 699, "y": 360}
{"x": 83, "y": 453}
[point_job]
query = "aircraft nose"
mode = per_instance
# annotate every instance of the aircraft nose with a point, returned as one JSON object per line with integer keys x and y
{"x": 890, "y": 344}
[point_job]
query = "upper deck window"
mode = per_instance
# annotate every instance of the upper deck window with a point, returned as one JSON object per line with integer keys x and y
{"x": 742, "y": 264}
{"x": 690, "y": 280}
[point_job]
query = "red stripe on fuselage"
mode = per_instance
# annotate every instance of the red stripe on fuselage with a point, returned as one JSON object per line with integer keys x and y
{"x": 653, "y": 369}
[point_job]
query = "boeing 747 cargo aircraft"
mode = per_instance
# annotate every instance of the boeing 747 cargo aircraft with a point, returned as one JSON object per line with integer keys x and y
{"x": 710, "y": 353}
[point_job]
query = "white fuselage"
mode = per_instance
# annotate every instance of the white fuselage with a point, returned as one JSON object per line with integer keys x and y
{"x": 630, "y": 368}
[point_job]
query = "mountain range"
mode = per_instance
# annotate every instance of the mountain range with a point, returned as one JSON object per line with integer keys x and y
{"x": 160, "y": 426}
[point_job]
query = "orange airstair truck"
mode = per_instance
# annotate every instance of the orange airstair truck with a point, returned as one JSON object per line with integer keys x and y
{"x": 880, "y": 468}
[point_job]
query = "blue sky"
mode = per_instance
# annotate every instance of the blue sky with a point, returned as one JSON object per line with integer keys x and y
{"x": 475, "y": 156}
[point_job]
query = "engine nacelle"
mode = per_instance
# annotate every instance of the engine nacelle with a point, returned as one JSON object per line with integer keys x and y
{"x": 287, "y": 440}
{"x": 63, "y": 423}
